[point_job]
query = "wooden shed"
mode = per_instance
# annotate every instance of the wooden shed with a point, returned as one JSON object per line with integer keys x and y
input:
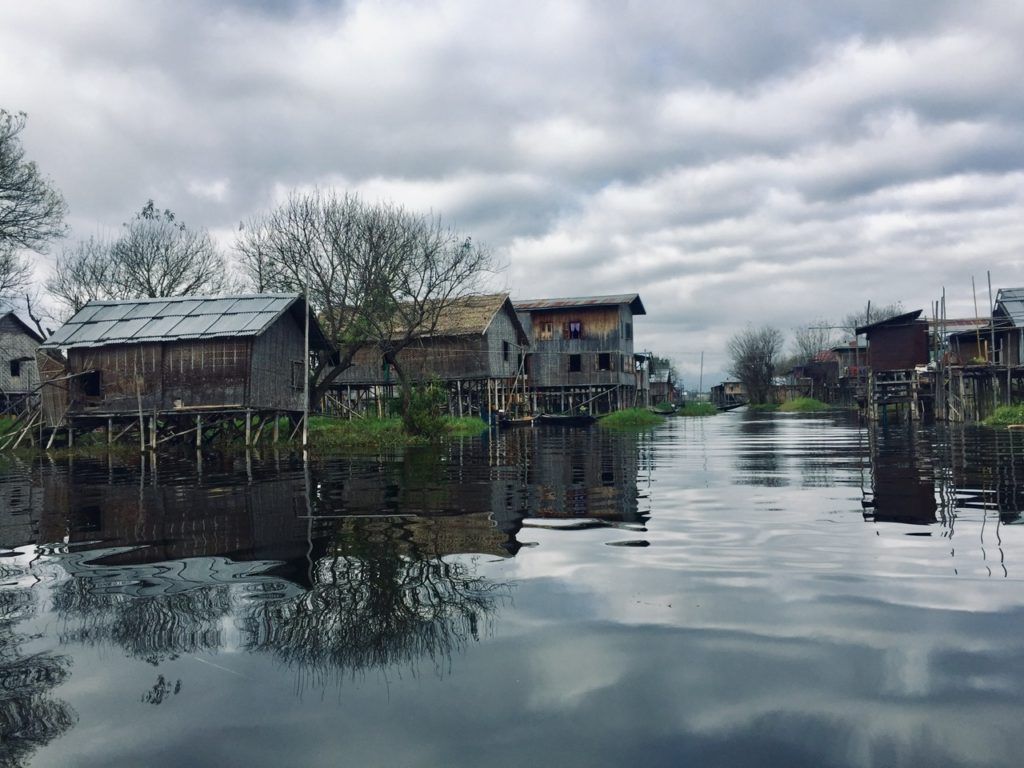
{"x": 475, "y": 349}
{"x": 581, "y": 351}
{"x": 19, "y": 377}
{"x": 170, "y": 357}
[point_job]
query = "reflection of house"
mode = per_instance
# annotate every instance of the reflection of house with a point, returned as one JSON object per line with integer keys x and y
{"x": 173, "y": 356}
{"x": 475, "y": 348}
{"x": 581, "y": 352}
{"x": 18, "y": 373}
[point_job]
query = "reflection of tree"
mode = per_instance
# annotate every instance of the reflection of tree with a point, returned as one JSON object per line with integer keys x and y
{"x": 375, "y": 601}
{"x": 150, "y": 628}
{"x": 29, "y": 718}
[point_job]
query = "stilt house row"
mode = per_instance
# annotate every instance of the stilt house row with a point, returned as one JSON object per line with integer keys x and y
{"x": 179, "y": 355}
{"x": 19, "y": 377}
{"x": 475, "y": 349}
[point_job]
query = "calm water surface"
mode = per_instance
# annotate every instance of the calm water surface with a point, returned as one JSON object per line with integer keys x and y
{"x": 740, "y": 590}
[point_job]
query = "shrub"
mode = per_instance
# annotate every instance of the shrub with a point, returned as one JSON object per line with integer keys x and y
{"x": 1006, "y": 415}
{"x": 697, "y": 409}
{"x": 631, "y": 417}
{"x": 424, "y": 416}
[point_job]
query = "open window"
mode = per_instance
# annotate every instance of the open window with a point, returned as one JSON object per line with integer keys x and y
{"x": 15, "y": 368}
{"x": 575, "y": 329}
{"x": 604, "y": 361}
{"x": 575, "y": 363}
{"x": 297, "y": 374}
{"x": 545, "y": 332}
{"x": 91, "y": 384}
{"x": 506, "y": 348}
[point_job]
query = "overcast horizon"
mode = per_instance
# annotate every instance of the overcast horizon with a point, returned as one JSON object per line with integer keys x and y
{"x": 730, "y": 162}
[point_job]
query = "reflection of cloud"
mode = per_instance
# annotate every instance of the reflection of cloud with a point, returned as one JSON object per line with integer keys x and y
{"x": 563, "y": 676}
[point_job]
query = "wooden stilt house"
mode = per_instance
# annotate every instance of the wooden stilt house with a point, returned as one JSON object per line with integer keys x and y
{"x": 581, "y": 353}
{"x": 169, "y": 362}
{"x": 475, "y": 349}
{"x": 19, "y": 378}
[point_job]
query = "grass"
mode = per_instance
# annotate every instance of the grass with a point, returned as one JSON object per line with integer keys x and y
{"x": 325, "y": 432}
{"x": 803, "y": 405}
{"x": 697, "y": 409}
{"x": 1006, "y": 415}
{"x": 6, "y": 422}
{"x": 631, "y": 417}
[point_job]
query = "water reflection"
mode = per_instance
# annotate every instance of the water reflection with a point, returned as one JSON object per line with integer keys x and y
{"x": 30, "y": 717}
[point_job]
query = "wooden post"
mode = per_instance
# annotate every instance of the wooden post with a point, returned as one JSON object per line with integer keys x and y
{"x": 110, "y": 430}
{"x": 152, "y": 432}
{"x": 71, "y": 435}
{"x": 199, "y": 431}
{"x": 248, "y": 428}
{"x": 458, "y": 388}
{"x": 277, "y": 427}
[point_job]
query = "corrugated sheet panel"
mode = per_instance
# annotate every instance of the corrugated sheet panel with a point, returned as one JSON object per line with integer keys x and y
{"x": 573, "y": 302}
{"x": 166, "y": 319}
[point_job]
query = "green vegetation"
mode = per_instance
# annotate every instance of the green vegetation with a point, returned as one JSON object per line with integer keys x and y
{"x": 1006, "y": 415}
{"x": 763, "y": 407}
{"x": 803, "y": 405}
{"x": 326, "y": 432}
{"x": 697, "y": 409}
{"x": 466, "y": 425}
{"x": 631, "y": 417}
{"x": 6, "y": 422}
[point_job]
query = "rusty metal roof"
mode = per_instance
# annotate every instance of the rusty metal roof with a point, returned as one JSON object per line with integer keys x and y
{"x": 101, "y": 323}
{"x": 907, "y": 318}
{"x": 535, "y": 305}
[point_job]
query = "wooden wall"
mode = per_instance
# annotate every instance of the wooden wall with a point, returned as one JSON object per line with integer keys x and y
{"x": 898, "y": 347}
{"x": 15, "y": 344}
{"x": 274, "y": 354}
{"x": 603, "y": 331}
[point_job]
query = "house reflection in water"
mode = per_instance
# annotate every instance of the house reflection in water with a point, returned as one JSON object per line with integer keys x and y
{"x": 355, "y": 562}
{"x": 902, "y": 480}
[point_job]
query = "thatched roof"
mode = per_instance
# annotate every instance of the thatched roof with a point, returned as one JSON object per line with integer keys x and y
{"x": 473, "y": 315}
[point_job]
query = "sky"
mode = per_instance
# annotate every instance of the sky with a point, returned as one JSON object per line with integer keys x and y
{"x": 732, "y": 162}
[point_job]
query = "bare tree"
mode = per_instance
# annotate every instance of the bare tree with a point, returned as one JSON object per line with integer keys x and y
{"x": 31, "y": 209}
{"x": 155, "y": 255}
{"x": 809, "y": 340}
{"x": 753, "y": 356}
{"x": 377, "y": 275}
{"x": 15, "y": 274}
{"x": 872, "y": 313}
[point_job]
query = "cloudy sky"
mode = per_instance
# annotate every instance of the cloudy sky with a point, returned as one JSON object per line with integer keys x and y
{"x": 731, "y": 161}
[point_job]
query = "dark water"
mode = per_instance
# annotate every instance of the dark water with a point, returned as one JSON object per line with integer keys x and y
{"x": 739, "y": 590}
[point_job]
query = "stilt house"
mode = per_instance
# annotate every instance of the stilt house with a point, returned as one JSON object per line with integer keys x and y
{"x": 897, "y": 347}
{"x": 581, "y": 352}
{"x": 475, "y": 349}
{"x": 183, "y": 355}
{"x": 19, "y": 377}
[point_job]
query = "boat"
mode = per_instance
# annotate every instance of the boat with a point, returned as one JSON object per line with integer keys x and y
{"x": 566, "y": 419}
{"x": 515, "y": 421}
{"x": 729, "y": 406}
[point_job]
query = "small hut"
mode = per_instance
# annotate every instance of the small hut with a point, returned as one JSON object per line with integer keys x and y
{"x": 175, "y": 361}
{"x": 19, "y": 378}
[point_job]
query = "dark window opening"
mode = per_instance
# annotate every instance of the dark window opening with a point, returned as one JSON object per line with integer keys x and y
{"x": 575, "y": 329}
{"x": 15, "y": 367}
{"x": 505, "y": 349}
{"x": 297, "y": 374}
{"x": 604, "y": 361}
{"x": 91, "y": 384}
{"x": 574, "y": 364}
{"x": 629, "y": 332}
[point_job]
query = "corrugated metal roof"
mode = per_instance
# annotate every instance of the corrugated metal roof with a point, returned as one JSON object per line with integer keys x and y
{"x": 632, "y": 299}
{"x": 190, "y": 317}
{"x": 1010, "y": 301}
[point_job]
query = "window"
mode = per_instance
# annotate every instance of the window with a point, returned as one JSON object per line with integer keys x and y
{"x": 91, "y": 385}
{"x": 574, "y": 364}
{"x": 297, "y": 374}
{"x": 15, "y": 367}
{"x": 575, "y": 329}
{"x": 604, "y": 361}
{"x": 505, "y": 349}
{"x": 628, "y": 331}
{"x": 545, "y": 332}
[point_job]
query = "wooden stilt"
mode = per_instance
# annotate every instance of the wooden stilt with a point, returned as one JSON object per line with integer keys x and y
{"x": 199, "y": 431}
{"x": 110, "y": 430}
{"x": 152, "y": 432}
{"x": 277, "y": 427}
{"x": 248, "y": 428}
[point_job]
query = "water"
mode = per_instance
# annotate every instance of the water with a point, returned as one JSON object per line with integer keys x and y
{"x": 740, "y": 590}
